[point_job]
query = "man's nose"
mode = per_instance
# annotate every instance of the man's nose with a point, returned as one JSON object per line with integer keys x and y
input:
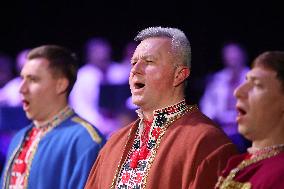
{"x": 240, "y": 91}
{"x": 23, "y": 87}
{"x": 137, "y": 68}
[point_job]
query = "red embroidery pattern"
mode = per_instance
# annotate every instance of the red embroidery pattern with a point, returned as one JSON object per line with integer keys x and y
{"x": 142, "y": 153}
{"x": 20, "y": 164}
{"x": 134, "y": 168}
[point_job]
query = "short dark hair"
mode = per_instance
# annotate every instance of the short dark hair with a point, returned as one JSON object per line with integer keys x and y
{"x": 273, "y": 60}
{"x": 61, "y": 61}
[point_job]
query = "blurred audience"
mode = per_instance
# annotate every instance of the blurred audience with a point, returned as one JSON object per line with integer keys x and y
{"x": 6, "y": 69}
{"x": 119, "y": 73}
{"x": 9, "y": 94}
{"x": 218, "y": 101}
{"x": 93, "y": 76}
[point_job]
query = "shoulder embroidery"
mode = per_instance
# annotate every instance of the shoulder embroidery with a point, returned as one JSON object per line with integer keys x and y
{"x": 94, "y": 134}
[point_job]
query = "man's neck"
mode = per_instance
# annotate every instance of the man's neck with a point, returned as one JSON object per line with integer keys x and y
{"x": 51, "y": 116}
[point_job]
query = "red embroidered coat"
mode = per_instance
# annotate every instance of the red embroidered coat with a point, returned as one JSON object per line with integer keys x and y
{"x": 192, "y": 154}
{"x": 265, "y": 174}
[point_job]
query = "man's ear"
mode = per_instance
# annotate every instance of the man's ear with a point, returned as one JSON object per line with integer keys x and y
{"x": 181, "y": 74}
{"x": 61, "y": 85}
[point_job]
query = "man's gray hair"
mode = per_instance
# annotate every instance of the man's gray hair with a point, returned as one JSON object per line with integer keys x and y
{"x": 180, "y": 44}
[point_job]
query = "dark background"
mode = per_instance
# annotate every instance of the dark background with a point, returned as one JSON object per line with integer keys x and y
{"x": 208, "y": 24}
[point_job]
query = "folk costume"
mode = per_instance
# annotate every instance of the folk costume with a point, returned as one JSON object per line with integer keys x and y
{"x": 179, "y": 148}
{"x": 57, "y": 155}
{"x": 257, "y": 169}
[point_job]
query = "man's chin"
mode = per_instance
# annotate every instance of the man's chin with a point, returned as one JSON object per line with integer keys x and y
{"x": 137, "y": 101}
{"x": 242, "y": 129}
{"x": 29, "y": 115}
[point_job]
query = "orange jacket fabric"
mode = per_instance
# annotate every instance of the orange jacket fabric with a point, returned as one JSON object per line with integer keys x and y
{"x": 192, "y": 154}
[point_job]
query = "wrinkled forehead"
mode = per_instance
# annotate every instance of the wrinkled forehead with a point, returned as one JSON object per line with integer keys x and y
{"x": 154, "y": 46}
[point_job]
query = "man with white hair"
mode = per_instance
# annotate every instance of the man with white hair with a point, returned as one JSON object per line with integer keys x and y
{"x": 171, "y": 144}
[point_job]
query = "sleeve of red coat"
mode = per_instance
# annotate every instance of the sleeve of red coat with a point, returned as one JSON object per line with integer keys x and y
{"x": 211, "y": 167}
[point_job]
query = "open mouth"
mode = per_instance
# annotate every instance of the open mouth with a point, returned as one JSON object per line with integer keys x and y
{"x": 139, "y": 85}
{"x": 25, "y": 104}
{"x": 241, "y": 111}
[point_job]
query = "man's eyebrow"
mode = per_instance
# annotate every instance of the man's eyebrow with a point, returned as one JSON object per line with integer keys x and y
{"x": 253, "y": 78}
{"x": 28, "y": 76}
{"x": 144, "y": 57}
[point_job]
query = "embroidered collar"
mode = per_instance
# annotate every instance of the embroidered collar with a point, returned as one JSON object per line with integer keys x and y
{"x": 168, "y": 111}
{"x": 135, "y": 164}
{"x": 254, "y": 151}
{"x": 153, "y": 128}
{"x": 254, "y": 156}
{"x": 58, "y": 118}
{"x": 161, "y": 116}
{"x": 146, "y": 142}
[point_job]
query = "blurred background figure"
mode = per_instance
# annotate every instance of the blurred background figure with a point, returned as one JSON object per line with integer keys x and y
{"x": 119, "y": 73}
{"x": 122, "y": 106}
{"x": 218, "y": 101}
{"x": 6, "y": 69}
{"x": 84, "y": 97}
{"x": 101, "y": 86}
{"x": 9, "y": 93}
